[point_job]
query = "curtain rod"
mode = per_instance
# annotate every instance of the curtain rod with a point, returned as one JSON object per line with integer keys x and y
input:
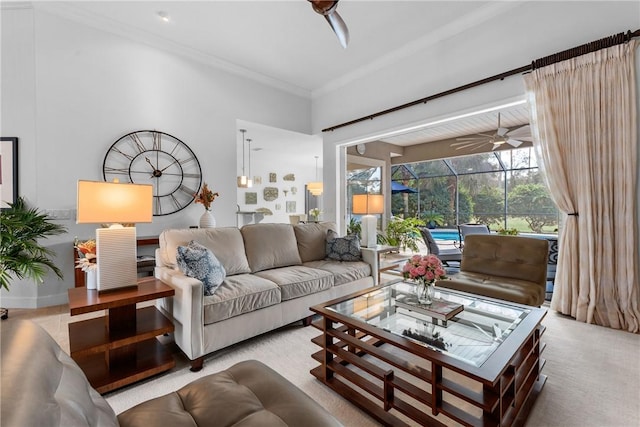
{"x": 538, "y": 63}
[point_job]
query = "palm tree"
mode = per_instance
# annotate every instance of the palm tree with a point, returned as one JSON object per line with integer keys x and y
{"x": 21, "y": 256}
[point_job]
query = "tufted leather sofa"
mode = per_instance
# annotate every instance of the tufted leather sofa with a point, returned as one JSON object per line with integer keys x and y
{"x": 43, "y": 386}
{"x": 510, "y": 268}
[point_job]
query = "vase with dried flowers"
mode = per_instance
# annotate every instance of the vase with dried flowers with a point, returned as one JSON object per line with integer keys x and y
{"x": 206, "y": 197}
{"x": 424, "y": 271}
{"x": 88, "y": 261}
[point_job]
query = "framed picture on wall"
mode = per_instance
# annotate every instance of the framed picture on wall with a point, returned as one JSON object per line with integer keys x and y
{"x": 8, "y": 171}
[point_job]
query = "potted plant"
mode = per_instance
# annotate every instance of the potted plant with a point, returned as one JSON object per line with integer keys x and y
{"x": 433, "y": 219}
{"x": 403, "y": 232}
{"x": 508, "y": 231}
{"x": 354, "y": 227}
{"x": 21, "y": 256}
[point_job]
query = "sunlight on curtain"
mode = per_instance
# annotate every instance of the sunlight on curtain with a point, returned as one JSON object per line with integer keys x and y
{"x": 584, "y": 124}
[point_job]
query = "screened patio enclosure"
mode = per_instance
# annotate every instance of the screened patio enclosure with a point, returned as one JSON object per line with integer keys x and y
{"x": 503, "y": 189}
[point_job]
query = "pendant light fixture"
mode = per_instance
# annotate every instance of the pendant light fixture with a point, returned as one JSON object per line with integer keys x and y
{"x": 249, "y": 180}
{"x": 316, "y": 187}
{"x": 242, "y": 179}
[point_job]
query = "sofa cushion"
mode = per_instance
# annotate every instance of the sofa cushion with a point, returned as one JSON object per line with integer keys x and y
{"x": 200, "y": 263}
{"x": 248, "y": 394}
{"x": 343, "y": 272}
{"x": 240, "y": 294}
{"x": 345, "y": 248}
{"x": 515, "y": 290}
{"x": 311, "y": 240}
{"x": 297, "y": 281}
{"x": 270, "y": 246}
{"x": 225, "y": 242}
{"x": 42, "y": 385}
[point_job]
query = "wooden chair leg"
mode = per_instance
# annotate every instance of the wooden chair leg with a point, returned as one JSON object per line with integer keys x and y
{"x": 197, "y": 364}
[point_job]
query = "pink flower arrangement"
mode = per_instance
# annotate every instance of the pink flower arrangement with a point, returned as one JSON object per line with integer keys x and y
{"x": 424, "y": 269}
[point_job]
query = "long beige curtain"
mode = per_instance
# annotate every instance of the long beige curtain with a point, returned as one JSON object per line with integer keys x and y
{"x": 584, "y": 124}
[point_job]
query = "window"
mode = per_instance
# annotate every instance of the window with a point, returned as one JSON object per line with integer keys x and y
{"x": 502, "y": 189}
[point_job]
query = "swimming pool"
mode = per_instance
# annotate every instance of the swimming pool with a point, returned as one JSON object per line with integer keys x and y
{"x": 444, "y": 234}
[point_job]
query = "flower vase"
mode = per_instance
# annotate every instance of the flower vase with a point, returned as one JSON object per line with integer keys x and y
{"x": 91, "y": 279}
{"x": 424, "y": 292}
{"x": 207, "y": 220}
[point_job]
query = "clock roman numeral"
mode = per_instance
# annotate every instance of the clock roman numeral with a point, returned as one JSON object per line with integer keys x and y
{"x": 175, "y": 201}
{"x": 119, "y": 171}
{"x": 137, "y": 143}
{"x": 187, "y": 190}
{"x": 157, "y": 141}
{"x": 158, "y": 205}
{"x": 117, "y": 150}
{"x": 191, "y": 175}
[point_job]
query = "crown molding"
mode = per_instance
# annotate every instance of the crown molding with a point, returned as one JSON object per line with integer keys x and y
{"x": 75, "y": 13}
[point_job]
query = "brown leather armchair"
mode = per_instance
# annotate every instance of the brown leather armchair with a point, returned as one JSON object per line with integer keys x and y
{"x": 510, "y": 268}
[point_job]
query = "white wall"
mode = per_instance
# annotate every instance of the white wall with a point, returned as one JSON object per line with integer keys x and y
{"x": 281, "y": 152}
{"x": 69, "y": 91}
{"x": 515, "y": 35}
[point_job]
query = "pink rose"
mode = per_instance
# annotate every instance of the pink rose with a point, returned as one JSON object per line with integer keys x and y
{"x": 429, "y": 275}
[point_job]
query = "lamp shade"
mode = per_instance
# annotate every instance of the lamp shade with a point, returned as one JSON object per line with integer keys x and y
{"x": 315, "y": 188}
{"x": 367, "y": 204}
{"x": 109, "y": 202}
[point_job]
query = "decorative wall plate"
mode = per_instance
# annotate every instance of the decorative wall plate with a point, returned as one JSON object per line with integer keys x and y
{"x": 270, "y": 193}
{"x": 289, "y": 177}
{"x": 251, "y": 198}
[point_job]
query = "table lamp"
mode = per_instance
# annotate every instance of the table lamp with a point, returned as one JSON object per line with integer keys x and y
{"x": 116, "y": 204}
{"x": 368, "y": 205}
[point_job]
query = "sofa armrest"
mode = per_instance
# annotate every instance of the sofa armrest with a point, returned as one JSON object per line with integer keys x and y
{"x": 370, "y": 256}
{"x": 185, "y": 309}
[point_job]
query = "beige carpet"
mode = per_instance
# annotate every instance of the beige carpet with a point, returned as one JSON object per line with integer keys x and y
{"x": 594, "y": 372}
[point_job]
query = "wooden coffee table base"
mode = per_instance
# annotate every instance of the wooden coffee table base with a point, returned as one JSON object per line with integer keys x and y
{"x": 385, "y": 377}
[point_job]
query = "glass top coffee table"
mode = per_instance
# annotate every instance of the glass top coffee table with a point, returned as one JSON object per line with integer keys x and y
{"x": 465, "y": 359}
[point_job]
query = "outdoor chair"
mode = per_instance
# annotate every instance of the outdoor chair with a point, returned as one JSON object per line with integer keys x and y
{"x": 444, "y": 254}
{"x": 466, "y": 229}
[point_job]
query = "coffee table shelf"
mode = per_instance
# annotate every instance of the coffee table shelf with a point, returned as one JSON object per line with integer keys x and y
{"x": 399, "y": 380}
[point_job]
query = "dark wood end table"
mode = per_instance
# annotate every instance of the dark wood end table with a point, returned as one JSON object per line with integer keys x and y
{"x": 120, "y": 348}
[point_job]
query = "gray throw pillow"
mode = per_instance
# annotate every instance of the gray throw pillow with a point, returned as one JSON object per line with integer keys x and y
{"x": 343, "y": 248}
{"x": 200, "y": 263}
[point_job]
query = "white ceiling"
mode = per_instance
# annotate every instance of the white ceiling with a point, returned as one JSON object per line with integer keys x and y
{"x": 287, "y": 45}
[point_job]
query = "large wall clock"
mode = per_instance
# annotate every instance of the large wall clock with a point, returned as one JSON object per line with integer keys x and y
{"x": 159, "y": 159}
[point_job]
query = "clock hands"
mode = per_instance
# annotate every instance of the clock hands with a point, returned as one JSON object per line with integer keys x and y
{"x": 156, "y": 173}
{"x": 150, "y": 164}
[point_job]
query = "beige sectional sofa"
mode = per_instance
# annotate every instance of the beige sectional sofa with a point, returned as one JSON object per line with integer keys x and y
{"x": 274, "y": 273}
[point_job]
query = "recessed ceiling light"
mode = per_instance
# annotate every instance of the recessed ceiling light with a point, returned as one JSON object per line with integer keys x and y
{"x": 164, "y": 16}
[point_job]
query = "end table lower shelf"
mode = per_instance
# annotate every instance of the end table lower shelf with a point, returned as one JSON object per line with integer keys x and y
{"x": 120, "y": 348}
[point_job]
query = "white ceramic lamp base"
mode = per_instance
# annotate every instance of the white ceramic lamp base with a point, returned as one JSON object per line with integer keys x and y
{"x": 369, "y": 231}
{"x": 116, "y": 249}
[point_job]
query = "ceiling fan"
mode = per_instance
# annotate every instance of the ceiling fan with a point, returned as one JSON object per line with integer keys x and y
{"x": 328, "y": 10}
{"x": 514, "y": 137}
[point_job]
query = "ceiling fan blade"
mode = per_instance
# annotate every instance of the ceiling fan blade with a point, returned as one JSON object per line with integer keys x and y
{"x": 502, "y": 131}
{"x": 471, "y": 138}
{"x": 339, "y": 27}
{"x": 514, "y": 142}
{"x": 328, "y": 10}
{"x": 522, "y": 131}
